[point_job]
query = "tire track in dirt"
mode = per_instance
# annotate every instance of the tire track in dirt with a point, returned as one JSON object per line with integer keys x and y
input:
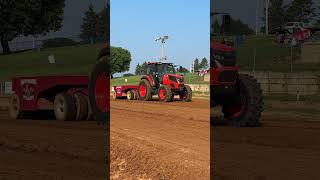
{"x": 47, "y": 149}
{"x": 155, "y": 140}
{"x": 283, "y": 148}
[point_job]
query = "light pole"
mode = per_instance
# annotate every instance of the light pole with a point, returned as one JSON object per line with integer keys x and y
{"x": 257, "y": 17}
{"x": 162, "y": 40}
{"x": 267, "y": 17}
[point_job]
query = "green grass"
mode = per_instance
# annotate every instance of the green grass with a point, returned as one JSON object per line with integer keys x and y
{"x": 190, "y": 78}
{"x": 71, "y": 60}
{"x": 270, "y": 56}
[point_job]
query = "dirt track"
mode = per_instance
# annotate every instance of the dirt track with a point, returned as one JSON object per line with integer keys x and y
{"x": 154, "y": 140}
{"x": 47, "y": 149}
{"x": 285, "y": 147}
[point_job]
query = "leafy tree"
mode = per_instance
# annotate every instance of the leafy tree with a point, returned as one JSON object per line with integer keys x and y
{"x": 120, "y": 60}
{"x": 196, "y": 65}
{"x": 237, "y": 27}
{"x": 276, "y": 13}
{"x": 28, "y": 17}
{"x": 204, "y": 63}
{"x": 89, "y": 26}
{"x": 181, "y": 69}
{"x": 138, "y": 70}
{"x": 301, "y": 11}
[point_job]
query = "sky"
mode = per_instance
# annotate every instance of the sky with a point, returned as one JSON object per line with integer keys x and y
{"x": 244, "y": 9}
{"x": 73, "y": 13}
{"x": 136, "y": 24}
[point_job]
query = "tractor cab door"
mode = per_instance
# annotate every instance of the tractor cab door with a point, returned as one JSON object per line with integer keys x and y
{"x": 152, "y": 71}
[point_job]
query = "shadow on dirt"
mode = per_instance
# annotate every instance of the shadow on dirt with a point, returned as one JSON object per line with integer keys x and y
{"x": 39, "y": 115}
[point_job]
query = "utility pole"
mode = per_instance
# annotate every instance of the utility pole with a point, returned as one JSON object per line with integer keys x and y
{"x": 257, "y": 17}
{"x": 267, "y": 17}
{"x": 163, "y": 41}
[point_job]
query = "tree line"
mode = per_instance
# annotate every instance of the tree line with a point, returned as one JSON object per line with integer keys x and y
{"x": 280, "y": 12}
{"x": 28, "y": 17}
{"x": 39, "y": 17}
{"x": 197, "y": 65}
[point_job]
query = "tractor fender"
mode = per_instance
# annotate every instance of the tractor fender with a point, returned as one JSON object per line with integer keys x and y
{"x": 148, "y": 78}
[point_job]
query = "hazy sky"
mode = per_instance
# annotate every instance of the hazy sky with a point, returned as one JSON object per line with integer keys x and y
{"x": 136, "y": 24}
{"x": 73, "y": 13}
{"x": 243, "y": 9}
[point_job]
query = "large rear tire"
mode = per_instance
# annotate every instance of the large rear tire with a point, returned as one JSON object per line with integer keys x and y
{"x": 187, "y": 94}
{"x": 245, "y": 107}
{"x": 64, "y": 107}
{"x": 81, "y": 107}
{"x": 15, "y": 108}
{"x": 165, "y": 93}
{"x": 144, "y": 90}
{"x": 99, "y": 89}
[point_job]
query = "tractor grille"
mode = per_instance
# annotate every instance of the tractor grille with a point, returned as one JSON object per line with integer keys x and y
{"x": 228, "y": 76}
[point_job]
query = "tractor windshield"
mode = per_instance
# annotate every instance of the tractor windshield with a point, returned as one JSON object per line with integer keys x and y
{"x": 166, "y": 69}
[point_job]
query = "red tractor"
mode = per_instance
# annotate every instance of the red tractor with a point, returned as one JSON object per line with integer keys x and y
{"x": 161, "y": 79}
{"x": 239, "y": 95}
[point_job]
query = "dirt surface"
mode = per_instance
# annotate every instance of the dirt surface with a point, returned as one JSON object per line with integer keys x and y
{"x": 287, "y": 146}
{"x": 47, "y": 149}
{"x": 154, "y": 140}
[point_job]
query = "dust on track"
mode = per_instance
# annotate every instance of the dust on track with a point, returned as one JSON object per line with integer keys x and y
{"x": 154, "y": 140}
{"x": 283, "y": 148}
{"x": 47, "y": 149}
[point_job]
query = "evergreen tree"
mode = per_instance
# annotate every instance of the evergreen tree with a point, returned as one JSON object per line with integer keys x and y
{"x": 196, "y": 65}
{"x": 89, "y": 26}
{"x": 301, "y": 11}
{"x": 138, "y": 70}
{"x": 204, "y": 63}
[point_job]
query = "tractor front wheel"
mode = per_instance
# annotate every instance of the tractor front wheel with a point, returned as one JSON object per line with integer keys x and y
{"x": 165, "y": 93}
{"x": 187, "y": 94}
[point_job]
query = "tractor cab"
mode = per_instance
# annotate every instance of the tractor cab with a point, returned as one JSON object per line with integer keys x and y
{"x": 158, "y": 69}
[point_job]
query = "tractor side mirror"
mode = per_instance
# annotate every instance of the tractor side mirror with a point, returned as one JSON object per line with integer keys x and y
{"x": 226, "y": 22}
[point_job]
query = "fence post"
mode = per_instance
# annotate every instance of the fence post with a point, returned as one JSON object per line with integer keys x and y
{"x": 268, "y": 77}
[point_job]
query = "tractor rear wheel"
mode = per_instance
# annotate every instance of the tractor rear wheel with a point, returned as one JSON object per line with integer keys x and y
{"x": 245, "y": 107}
{"x": 81, "y": 107}
{"x": 187, "y": 94}
{"x": 64, "y": 107}
{"x": 165, "y": 93}
{"x": 15, "y": 109}
{"x": 144, "y": 90}
{"x": 99, "y": 89}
